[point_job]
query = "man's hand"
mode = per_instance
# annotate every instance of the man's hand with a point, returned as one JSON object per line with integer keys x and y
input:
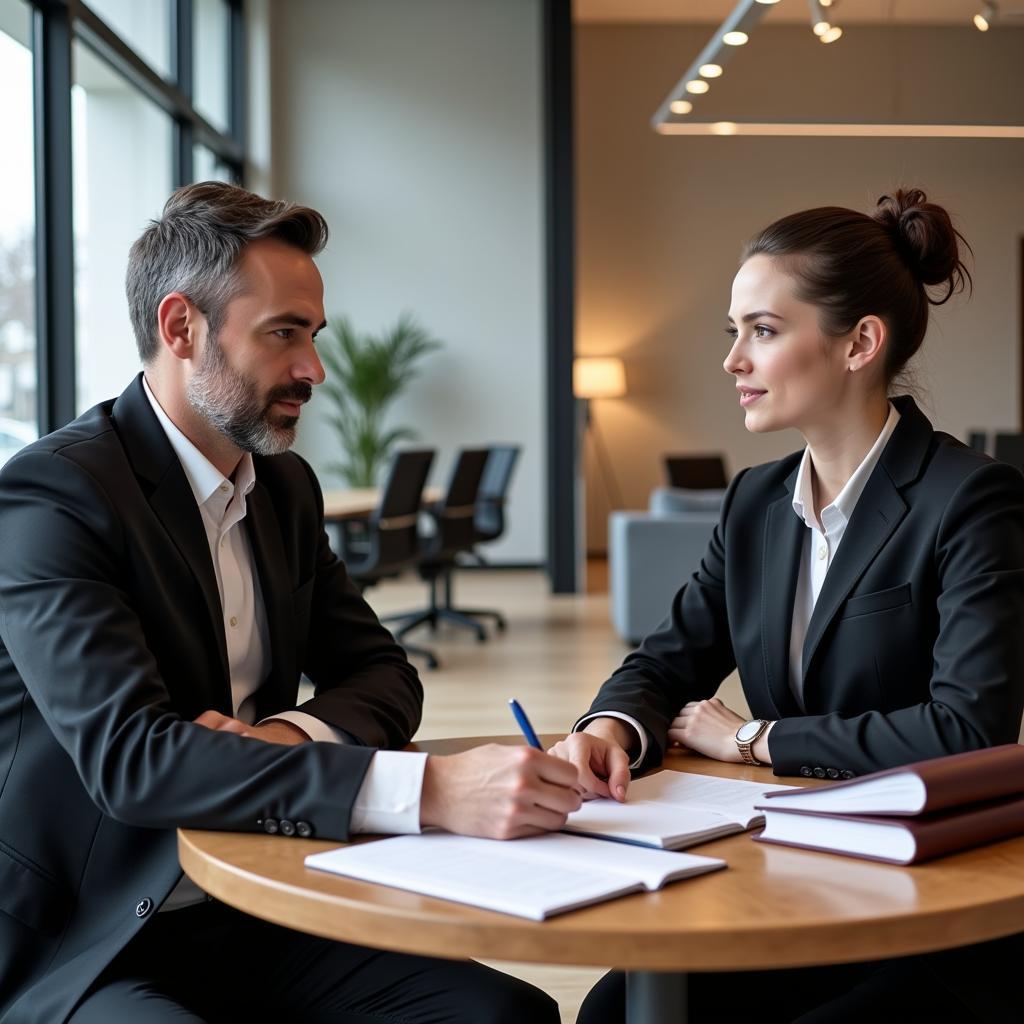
{"x": 708, "y": 727}
{"x": 274, "y": 731}
{"x": 498, "y": 792}
{"x": 600, "y": 755}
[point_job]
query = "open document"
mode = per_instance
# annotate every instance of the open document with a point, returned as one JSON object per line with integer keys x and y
{"x": 672, "y": 810}
{"x": 534, "y": 877}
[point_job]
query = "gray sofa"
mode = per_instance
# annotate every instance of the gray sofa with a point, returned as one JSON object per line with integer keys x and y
{"x": 651, "y": 554}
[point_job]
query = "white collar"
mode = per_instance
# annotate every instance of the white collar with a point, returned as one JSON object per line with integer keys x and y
{"x": 845, "y": 501}
{"x": 204, "y": 477}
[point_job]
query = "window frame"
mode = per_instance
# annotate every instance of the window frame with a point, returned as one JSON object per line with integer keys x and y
{"x": 56, "y": 24}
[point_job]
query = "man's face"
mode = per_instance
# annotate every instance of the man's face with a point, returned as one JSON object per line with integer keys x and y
{"x": 254, "y": 376}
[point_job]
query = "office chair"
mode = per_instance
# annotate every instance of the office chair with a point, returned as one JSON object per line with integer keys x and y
{"x": 453, "y": 534}
{"x": 978, "y": 439}
{"x": 489, "y": 519}
{"x": 388, "y": 541}
{"x": 696, "y": 472}
{"x": 1010, "y": 448}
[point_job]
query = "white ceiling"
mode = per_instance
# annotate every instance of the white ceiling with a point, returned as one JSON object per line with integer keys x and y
{"x": 924, "y": 12}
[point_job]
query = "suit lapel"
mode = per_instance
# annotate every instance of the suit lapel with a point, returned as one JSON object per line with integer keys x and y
{"x": 783, "y": 533}
{"x": 174, "y": 504}
{"x": 877, "y": 514}
{"x": 272, "y": 569}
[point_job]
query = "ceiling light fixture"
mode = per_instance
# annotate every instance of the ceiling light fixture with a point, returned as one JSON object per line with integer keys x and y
{"x": 711, "y": 61}
{"x": 984, "y": 18}
{"x": 825, "y": 30}
{"x": 680, "y": 106}
{"x": 991, "y": 13}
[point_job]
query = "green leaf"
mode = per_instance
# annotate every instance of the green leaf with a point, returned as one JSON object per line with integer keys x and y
{"x": 365, "y": 374}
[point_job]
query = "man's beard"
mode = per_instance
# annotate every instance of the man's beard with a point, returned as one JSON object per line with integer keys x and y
{"x": 229, "y": 401}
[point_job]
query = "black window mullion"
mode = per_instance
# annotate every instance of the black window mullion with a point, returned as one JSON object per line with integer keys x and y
{"x": 182, "y": 69}
{"x": 55, "y": 259}
{"x": 237, "y": 85}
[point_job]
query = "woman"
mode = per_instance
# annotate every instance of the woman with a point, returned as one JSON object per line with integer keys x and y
{"x": 869, "y": 589}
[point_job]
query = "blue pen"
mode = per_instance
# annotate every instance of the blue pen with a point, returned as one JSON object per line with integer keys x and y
{"x": 524, "y": 724}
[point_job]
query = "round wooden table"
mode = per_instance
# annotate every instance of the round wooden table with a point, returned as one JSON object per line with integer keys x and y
{"x": 773, "y": 907}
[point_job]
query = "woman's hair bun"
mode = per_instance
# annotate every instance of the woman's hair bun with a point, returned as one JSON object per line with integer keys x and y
{"x": 925, "y": 237}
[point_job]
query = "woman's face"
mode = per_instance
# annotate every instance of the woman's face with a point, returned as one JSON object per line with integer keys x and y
{"x": 788, "y": 373}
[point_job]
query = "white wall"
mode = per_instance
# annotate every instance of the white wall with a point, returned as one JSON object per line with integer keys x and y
{"x": 416, "y": 128}
{"x": 662, "y": 219}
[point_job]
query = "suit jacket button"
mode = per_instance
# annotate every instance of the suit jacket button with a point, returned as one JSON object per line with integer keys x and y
{"x": 847, "y": 774}
{"x": 806, "y": 772}
{"x": 270, "y": 826}
{"x": 819, "y": 773}
{"x": 832, "y": 773}
{"x": 143, "y": 907}
{"x": 304, "y": 829}
{"x": 287, "y": 827}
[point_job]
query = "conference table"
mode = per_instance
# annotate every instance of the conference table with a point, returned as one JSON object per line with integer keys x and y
{"x": 359, "y": 502}
{"x": 773, "y": 907}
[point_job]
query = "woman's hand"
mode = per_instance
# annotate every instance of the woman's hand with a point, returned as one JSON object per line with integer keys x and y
{"x": 708, "y": 727}
{"x": 599, "y": 754}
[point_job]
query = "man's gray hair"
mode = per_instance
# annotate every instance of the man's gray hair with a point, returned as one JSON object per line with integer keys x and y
{"x": 195, "y": 246}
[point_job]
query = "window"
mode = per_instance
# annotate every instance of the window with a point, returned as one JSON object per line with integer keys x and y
{"x": 117, "y": 188}
{"x": 17, "y": 234}
{"x": 210, "y": 60}
{"x": 145, "y": 26}
{"x": 134, "y": 97}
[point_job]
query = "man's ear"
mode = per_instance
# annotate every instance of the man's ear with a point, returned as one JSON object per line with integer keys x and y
{"x": 867, "y": 343}
{"x": 178, "y": 322}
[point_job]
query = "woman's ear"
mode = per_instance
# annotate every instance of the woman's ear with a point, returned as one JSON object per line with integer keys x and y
{"x": 178, "y": 320}
{"x": 866, "y": 343}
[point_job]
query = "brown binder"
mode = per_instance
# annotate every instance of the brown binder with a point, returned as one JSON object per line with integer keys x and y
{"x": 920, "y": 788}
{"x": 896, "y": 840}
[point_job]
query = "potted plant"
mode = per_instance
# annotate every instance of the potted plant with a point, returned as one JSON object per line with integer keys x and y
{"x": 365, "y": 374}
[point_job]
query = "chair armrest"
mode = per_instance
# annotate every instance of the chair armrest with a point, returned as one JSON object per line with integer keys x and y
{"x": 649, "y": 559}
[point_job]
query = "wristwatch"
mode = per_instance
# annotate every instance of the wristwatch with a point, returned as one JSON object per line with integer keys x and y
{"x": 747, "y": 735}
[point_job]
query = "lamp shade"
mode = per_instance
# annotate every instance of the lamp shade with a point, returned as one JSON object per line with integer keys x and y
{"x": 598, "y": 377}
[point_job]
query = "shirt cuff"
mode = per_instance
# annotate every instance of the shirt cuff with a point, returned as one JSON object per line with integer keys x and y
{"x": 629, "y": 720}
{"x": 314, "y": 728}
{"x": 389, "y": 798}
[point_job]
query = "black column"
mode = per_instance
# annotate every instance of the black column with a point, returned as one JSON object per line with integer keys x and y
{"x": 561, "y": 257}
{"x": 55, "y": 258}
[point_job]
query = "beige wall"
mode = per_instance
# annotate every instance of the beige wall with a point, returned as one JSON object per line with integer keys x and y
{"x": 417, "y": 129}
{"x": 662, "y": 219}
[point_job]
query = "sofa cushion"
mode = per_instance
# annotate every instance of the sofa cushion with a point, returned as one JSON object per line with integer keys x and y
{"x": 674, "y": 501}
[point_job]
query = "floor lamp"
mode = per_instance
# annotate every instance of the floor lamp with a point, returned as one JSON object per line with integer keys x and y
{"x": 594, "y": 377}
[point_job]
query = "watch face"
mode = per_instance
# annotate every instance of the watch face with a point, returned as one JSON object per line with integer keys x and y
{"x": 748, "y": 730}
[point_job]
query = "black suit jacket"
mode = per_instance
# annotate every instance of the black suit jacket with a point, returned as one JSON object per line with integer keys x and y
{"x": 111, "y": 641}
{"x": 916, "y": 645}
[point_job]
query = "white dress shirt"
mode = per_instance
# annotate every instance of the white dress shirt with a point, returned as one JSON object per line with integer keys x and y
{"x": 822, "y": 541}
{"x": 819, "y": 549}
{"x": 389, "y": 798}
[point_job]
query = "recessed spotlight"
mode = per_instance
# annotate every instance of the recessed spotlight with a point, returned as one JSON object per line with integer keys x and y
{"x": 697, "y": 86}
{"x": 710, "y": 70}
{"x": 735, "y": 38}
{"x": 831, "y": 35}
{"x": 680, "y": 106}
{"x": 821, "y": 27}
{"x": 825, "y": 3}
{"x": 984, "y": 18}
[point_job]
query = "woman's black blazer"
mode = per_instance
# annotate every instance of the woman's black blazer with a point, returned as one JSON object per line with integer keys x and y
{"x": 916, "y": 645}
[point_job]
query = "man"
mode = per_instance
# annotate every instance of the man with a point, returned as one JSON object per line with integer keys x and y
{"x": 164, "y": 582}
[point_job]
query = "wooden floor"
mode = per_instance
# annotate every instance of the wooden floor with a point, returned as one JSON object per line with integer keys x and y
{"x": 555, "y": 654}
